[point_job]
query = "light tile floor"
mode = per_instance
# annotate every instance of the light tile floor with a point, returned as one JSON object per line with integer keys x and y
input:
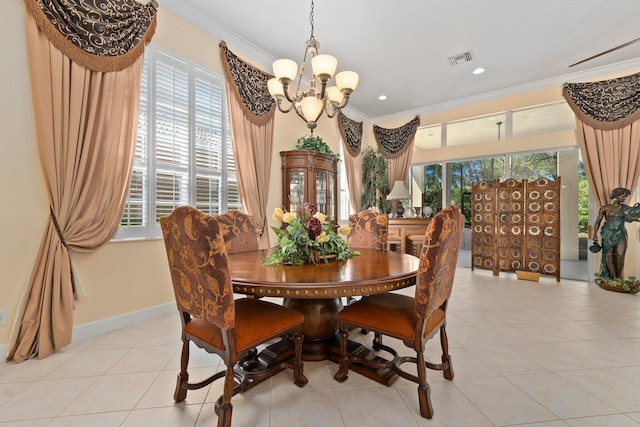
{"x": 541, "y": 354}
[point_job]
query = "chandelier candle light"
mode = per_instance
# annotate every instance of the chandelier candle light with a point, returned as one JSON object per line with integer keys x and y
{"x": 311, "y": 103}
{"x": 399, "y": 192}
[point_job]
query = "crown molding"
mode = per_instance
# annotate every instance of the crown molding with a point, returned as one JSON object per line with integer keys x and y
{"x": 219, "y": 31}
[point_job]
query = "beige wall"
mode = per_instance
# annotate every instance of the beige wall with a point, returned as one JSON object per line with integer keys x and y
{"x": 125, "y": 277}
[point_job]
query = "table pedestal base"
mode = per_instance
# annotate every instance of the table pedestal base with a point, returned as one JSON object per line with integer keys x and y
{"x": 320, "y": 324}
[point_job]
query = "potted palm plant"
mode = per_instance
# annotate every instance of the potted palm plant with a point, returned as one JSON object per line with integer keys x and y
{"x": 375, "y": 180}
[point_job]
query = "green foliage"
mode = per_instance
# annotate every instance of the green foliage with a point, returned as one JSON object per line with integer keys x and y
{"x": 535, "y": 165}
{"x": 315, "y": 143}
{"x": 432, "y": 195}
{"x": 583, "y": 204}
{"x": 375, "y": 180}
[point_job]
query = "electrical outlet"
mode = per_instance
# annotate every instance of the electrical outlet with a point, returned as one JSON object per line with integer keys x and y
{"x": 4, "y": 316}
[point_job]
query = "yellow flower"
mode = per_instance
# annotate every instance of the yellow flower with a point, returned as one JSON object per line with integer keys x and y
{"x": 344, "y": 230}
{"x": 277, "y": 214}
{"x": 322, "y": 237}
{"x": 320, "y": 216}
{"x": 288, "y": 217}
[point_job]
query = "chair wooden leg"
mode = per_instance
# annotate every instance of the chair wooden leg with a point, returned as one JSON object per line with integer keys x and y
{"x": 298, "y": 369}
{"x": 446, "y": 358}
{"x": 343, "y": 370}
{"x": 224, "y": 408}
{"x": 180, "y": 393}
{"x": 424, "y": 391}
{"x": 377, "y": 341}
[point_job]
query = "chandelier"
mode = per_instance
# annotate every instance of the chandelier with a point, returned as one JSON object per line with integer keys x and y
{"x": 309, "y": 104}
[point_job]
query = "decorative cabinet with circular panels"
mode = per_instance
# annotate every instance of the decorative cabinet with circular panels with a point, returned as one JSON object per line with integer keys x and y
{"x": 515, "y": 226}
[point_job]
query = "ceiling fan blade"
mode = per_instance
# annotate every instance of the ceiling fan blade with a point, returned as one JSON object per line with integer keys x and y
{"x": 606, "y": 51}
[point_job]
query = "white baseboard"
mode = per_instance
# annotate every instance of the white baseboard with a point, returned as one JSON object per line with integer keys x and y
{"x": 109, "y": 324}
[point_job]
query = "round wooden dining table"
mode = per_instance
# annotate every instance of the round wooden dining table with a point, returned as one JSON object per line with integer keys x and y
{"x": 316, "y": 290}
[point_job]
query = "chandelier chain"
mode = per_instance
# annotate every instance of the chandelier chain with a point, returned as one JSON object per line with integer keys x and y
{"x": 311, "y": 20}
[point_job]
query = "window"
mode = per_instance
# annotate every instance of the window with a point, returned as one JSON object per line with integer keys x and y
{"x": 183, "y": 152}
{"x": 543, "y": 118}
{"x": 344, "y": 202}
{"x": 479, "y": 129}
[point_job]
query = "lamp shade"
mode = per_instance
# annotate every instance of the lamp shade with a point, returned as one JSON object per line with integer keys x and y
{"x": 347, "y": 80}
{"x": 311, "y": 108}
{"x": 399, "y": 191}
{"x": 285, "y": 68}
{"x": 334, "y": 94}
{"x": 275, "y": 87}
{"x": 324, "y": 65}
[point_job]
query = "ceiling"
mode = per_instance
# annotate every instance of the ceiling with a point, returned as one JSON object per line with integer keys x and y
{"x": 401, "y": 49}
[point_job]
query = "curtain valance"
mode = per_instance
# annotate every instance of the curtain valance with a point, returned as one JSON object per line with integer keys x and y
{"x": 351, "y": 132}
{"x": 396, "y": 141}
{"x": 608, "y": 104}
{"x": 100, "y": 35}
{"x": 249, "y": 85}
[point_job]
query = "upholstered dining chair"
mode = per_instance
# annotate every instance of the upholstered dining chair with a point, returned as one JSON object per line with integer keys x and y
{"x": 212, "y": 319}
{"x": 413, "y": 320}
{"x": 368, "y": 230}
{"x": 238, "y": 231}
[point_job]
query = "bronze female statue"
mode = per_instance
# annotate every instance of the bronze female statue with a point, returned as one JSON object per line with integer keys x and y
{"x": 614, "y": 232}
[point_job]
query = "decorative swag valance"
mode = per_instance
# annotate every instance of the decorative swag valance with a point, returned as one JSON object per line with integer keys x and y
{"x": 351, "y": 132}
{"x": 94, "y": 33}
{"x": 396, "y": 141}
{"x": 249, "y": 84}
{"x": 608, "y": 104}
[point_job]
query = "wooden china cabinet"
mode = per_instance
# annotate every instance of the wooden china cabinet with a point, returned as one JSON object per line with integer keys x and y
{"x": 310, "y": 177}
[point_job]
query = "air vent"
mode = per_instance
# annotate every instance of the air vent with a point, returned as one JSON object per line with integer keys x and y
{"x": 461, "y": 58}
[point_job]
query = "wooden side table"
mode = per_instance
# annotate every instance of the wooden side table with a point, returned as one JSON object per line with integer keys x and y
{"x": 401, "y": 228}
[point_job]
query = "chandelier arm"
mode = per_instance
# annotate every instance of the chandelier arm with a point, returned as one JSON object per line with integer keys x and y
{"x": 331, "y": 109}
{"x": 285, "y": 89}
{"x": 283, "y": 110}
{"x": 344, "y": 103}
{"x": 323, "y": 90}
{"x": 299, "y": 113}
{"x": 322, "y": 110}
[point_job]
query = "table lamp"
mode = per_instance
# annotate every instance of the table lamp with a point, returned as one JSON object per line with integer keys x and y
{"x": 398, "y": 193}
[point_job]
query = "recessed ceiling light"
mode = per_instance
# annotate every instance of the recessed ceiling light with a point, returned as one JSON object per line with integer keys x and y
{"x": 478, "y": 70}
{"x": 382, "y": 97}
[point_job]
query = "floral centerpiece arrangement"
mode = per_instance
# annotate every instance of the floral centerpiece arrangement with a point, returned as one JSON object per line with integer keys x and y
{"x": 307, "y": 238}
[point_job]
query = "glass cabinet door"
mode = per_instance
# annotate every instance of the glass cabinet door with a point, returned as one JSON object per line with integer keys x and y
{"x": 296, "y": 190}
{"x": 309, "y": 176}
{"x": 332, "y": 207}
{"x": 321, "y": 192}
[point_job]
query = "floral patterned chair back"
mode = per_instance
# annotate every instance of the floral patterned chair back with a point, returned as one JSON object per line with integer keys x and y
{"x": 238, "y": 231}
{"x": 199, "y": 266}
{"x": 369, "y": 230}
{"x": 438, "y": 260}
{"x": 213, "y": 320}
